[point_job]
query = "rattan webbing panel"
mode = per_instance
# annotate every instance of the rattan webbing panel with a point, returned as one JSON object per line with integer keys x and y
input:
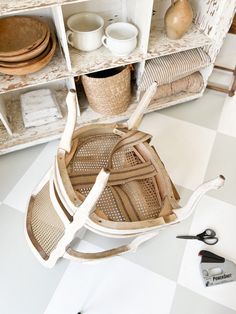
{"x": 94, "y": 152}
{"x": 144, "y": 198}
{"x": 46, "y": 225}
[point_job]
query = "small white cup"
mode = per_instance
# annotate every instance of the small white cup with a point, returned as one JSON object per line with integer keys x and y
{"x": 120, "y": 38}
{"x": 86, "y": 31}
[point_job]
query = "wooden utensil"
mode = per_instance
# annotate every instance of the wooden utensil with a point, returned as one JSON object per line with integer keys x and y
{"x": 31, "y": 68}
{"x": 30, "y": 54}
{"x": 20, "y": 34}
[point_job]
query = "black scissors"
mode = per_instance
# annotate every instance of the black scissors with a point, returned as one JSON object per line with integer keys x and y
{"x": 208, "y": 236}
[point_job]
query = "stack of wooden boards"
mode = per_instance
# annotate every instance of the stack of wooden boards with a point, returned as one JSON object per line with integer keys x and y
{"x": 26, "y": 45}
{"x": 39, "y": 107}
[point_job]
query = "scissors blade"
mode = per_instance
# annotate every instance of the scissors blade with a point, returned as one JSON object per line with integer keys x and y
{"x": 186, "y": 237}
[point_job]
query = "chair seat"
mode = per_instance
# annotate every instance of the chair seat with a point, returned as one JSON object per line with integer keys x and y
{"x": 132, "y": 192}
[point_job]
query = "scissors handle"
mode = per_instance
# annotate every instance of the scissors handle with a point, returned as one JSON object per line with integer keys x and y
{"x": 208, "y": 236}
{"x": 207, "y": 233}
{"x": 209, "y": 240}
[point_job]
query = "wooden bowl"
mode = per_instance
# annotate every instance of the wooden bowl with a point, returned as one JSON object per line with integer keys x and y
{"x": 30, "y": 54}
{"x": 20, "y": 34}
{"x": 28, "y": 62}
{"x": 33, "y": 67}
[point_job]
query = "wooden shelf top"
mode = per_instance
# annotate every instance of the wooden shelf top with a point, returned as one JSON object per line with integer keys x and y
{"x": 23, "y": 138}
{"x": 15, "y": 6}
{"x": 161, "y": 45}
{"x": 55, "y": 70}
{"x": 88, "y": 115}
{"x": 18, "y": 6}
{"x": 99, "y": 59}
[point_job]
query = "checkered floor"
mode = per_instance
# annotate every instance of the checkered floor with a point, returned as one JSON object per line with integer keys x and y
{"x": 197, "y": 141}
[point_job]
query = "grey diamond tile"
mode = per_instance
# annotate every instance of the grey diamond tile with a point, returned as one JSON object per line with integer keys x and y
{"x": 14, "y": 165}
{"x": 223, "y": 161}
{"x": 26, "y": 287}
{"x": 186, "y": 301}
{"x": 163, "y": 254}
{"x": 204, "y": 111}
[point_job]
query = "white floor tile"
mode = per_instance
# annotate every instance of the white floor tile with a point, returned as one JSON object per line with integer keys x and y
{"x": 19, "y": 195}
{"x": 113, "y": 286}
{"x": 183, "y": 147}
{"x": 221, "y": 78}
{"x": 226, "y": 56}
{"x": 220, "y": 217}
{"x": 227, "y": 123}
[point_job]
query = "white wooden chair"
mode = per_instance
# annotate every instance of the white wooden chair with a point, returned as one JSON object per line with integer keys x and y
{"x": 106, "y": 178}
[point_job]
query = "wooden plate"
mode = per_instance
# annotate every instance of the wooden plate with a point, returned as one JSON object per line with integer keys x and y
{"x": 27, "y": 62}
{"x": 34, "y": 67}
{"x": 20, "y": 34}
{"x": 30, "y": 54}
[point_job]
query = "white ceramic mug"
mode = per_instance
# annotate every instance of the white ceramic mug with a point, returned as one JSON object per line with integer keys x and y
{"x": 86, "y": 31}
{"x": 120, "y": 38}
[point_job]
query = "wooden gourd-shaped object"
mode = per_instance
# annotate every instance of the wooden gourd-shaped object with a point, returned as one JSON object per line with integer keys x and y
{"x": 178, "y": 18}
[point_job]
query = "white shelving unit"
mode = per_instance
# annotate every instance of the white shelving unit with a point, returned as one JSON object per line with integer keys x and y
{"x": 212, "y": 20}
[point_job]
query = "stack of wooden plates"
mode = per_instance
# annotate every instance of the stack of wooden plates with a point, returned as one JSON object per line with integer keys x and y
{"x": 26, "y": 45}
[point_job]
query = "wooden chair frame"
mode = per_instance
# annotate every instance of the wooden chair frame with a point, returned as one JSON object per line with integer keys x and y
{"x": 77, "y": 214}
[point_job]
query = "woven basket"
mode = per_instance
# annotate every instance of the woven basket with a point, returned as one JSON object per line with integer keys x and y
{"x": 108, "y": 91}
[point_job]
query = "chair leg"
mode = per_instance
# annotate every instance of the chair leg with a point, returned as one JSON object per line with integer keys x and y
{"x": 233, "y": 88}
{"x": 188, "y": 209}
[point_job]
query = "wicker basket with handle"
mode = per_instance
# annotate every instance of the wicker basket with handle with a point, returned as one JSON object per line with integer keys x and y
{"x": 108, "y": 91}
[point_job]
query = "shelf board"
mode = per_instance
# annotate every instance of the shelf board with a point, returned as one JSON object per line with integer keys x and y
{"x": 88, "y": 115}
{"x": 100, "y": 59}
{"x": 55, "y": 70}
{"x": 23, "y": 138}
{"x": 15, "y": 6}
{"x": 161, "y": 45}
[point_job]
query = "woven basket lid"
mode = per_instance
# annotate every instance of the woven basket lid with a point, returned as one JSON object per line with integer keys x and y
{"x": 20, "y": 34}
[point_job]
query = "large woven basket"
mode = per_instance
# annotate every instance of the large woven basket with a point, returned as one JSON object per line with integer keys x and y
{"x": 108, "y": 91}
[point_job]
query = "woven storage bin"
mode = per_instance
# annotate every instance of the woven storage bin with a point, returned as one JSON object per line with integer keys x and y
{"x": 108, "y": 91}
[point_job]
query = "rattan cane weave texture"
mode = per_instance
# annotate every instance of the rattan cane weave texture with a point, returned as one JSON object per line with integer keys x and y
{"x": 131, "y": 201}
{"x": 47, "y": 227}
